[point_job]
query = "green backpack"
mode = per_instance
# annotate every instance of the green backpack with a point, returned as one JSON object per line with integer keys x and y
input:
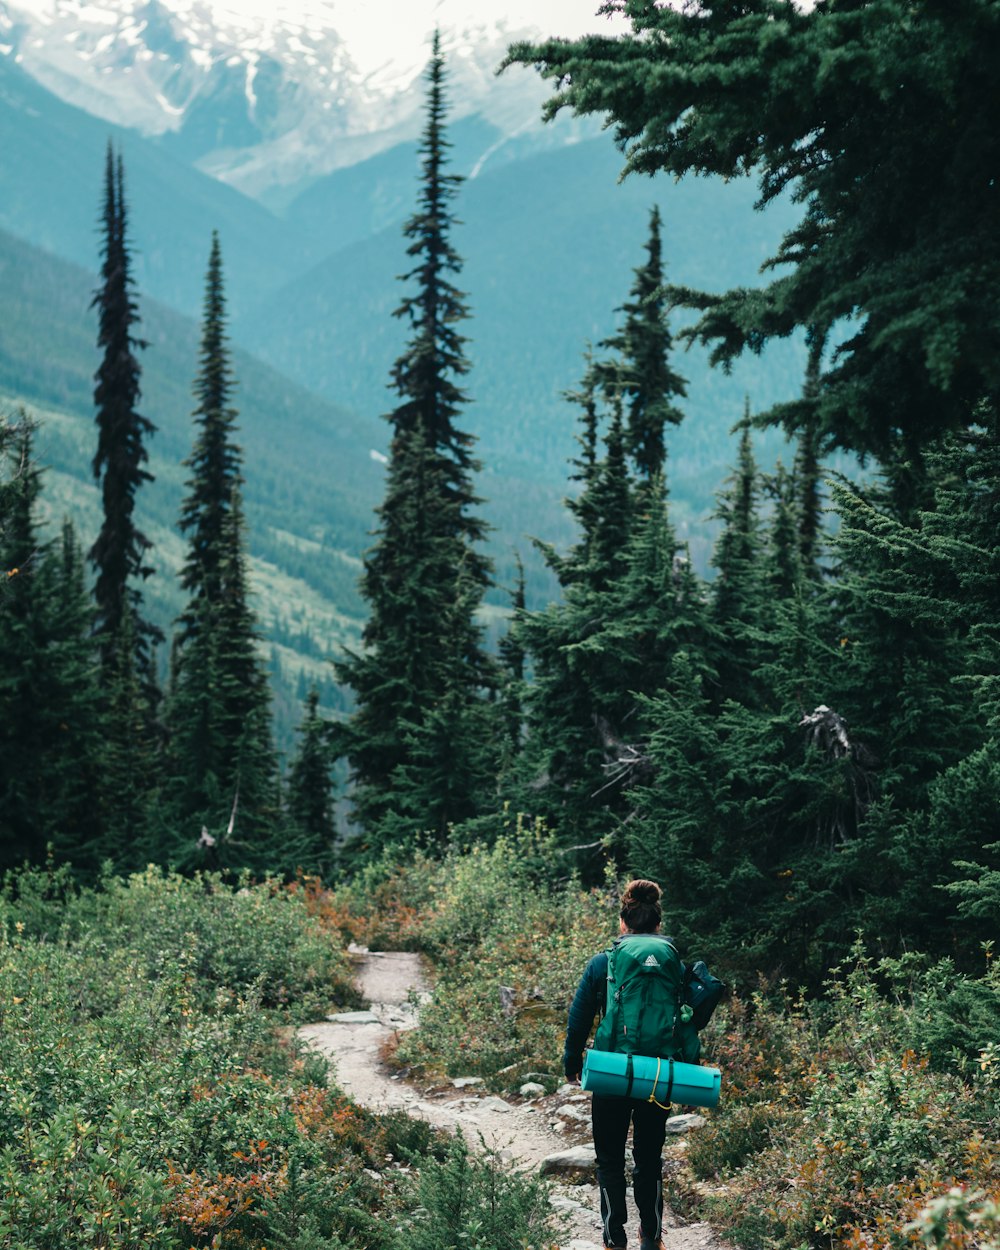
{"x": 645, "y": 1013}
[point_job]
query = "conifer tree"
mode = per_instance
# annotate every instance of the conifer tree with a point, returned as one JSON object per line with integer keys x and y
{"x": 120, "y": 551}
{"x": 427, "y": 376}
{"x": 639, "y": 370}
{"x": 512, "y": 664}
{"x": 424, "y": 578}
{"x": 310, "y": 792}
{"x": 221, "y": 754}
{"x": 919, "y": 661}
{"x": 629, "y": 598}
{"x": 737, "y": 592}
{"x": 909, "y": 256}
{"x": 215, "y": 461}
{"x": 807, "y": 470}
{"x": 50, "y": 738}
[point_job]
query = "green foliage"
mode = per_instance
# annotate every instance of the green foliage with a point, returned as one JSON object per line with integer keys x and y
{"x": 151, "y": 1102}
{"x": 481, "y": 1205}
{"x": 841, "y": 1118}
{"x": 147, "y": 1101}
{"x": 121, "y": 549}
{"x": 221, "y": 767}
{"x": 812, "y": 101}
{"x": 957, "y": 1216}
{"x": 256, "y": 939}
{"x": 420, "y": 741}
{"x": 49, "y": 712}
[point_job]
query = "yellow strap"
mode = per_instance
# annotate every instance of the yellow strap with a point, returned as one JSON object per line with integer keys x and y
{"x": 652, "y": 1092}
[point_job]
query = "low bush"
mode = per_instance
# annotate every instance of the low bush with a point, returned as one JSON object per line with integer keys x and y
{"x": 835, "y": 1129}
{"x": 229, "y": 938}
{"x": 507, "y": 951}
{"x": 475, "y": 1203}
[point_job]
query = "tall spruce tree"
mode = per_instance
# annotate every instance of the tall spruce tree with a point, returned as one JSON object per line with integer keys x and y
{"x": 738, "y": 591}
{"x": 120, "y": 551}
{"x": 215, "y": 461}
{"x": 221, "y": 755}
{"x": 630, "y": 600}
{"x": 424, "y": 578}
{"x": 639, "y": 369}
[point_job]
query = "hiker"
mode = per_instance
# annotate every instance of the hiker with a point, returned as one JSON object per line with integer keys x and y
{"x": 640, "y": 914}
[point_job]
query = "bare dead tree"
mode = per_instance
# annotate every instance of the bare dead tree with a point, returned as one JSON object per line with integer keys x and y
{"x": 826, "y": 731}
{"x": 626, "y": 764}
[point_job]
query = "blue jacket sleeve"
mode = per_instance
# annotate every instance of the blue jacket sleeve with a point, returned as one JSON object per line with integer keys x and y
{"x": 587, "y": 1002}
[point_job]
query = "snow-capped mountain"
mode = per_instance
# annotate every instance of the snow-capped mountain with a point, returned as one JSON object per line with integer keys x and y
{"x": 262, "y": 98}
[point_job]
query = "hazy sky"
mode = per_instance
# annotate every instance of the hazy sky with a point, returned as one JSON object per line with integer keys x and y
{"x": 378, "y": 31}
{"x": 390, "y": 31}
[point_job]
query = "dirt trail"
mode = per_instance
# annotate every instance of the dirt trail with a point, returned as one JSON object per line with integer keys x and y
{"x": 521, "y": 1130}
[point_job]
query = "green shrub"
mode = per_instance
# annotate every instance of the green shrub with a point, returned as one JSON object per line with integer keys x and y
{"x": 477, "y": 1204}
{"x": 726, "y": 1144}
{"x": 508, "y": 955}
{"x": 842, "y": 1118}
{"x": 229, "y": 939}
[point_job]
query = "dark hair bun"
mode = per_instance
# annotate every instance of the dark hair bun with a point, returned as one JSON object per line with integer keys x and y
{"x": 641, "y": 893}
{"x": 641, "y": 906}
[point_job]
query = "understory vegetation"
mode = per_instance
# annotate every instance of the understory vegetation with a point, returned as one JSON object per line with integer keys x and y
{"x": 866, "y": 1117}
{"x": 153, "y": 1094}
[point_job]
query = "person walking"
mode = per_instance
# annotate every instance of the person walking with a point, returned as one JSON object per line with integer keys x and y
{"x": 640, "y": 914}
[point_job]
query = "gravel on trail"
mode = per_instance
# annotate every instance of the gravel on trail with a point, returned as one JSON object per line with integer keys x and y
{"x": 525, "y": 1132}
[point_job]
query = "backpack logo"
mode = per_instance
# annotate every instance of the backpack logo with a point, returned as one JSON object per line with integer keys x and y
{"x": 651, "y": 962}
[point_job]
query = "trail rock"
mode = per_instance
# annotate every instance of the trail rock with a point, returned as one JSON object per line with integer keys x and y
{"x": 463, "y": 1082}
{"x": 685, "y": 1123}
{"x": 531, "y": 1089}
{"x": 494, "y": 1104}
{"x": 577, "y": 1159}
{"x": 354, "y": 1017}
{"x": 561, "y": 1203}
{"x": 570, "y": 1112}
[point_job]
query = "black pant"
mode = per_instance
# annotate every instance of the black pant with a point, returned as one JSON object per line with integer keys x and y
{"x": 611, "y": 1119}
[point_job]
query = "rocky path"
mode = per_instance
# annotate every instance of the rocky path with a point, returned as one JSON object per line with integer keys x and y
{"x": 527, "y": 1132}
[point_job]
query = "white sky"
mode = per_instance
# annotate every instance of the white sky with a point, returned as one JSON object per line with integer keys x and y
{"x": 380, "y": 31}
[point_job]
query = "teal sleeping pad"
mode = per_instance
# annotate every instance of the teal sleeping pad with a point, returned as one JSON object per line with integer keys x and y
{"x": 663, "y": 1080}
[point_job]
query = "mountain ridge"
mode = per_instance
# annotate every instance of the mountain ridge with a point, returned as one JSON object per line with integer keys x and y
{"x": 260, "y": 101}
